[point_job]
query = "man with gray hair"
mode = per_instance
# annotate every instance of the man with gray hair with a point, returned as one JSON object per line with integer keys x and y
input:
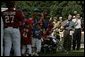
{"x": 67, "y": 37}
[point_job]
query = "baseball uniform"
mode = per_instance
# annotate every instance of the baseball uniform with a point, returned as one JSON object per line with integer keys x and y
{"x": 12, "y": 19}
{"x": 26, "y": 35}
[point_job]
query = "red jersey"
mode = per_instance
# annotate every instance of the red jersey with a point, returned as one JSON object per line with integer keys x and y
{"x": 26, "y": 34}
{"x": 30, "y": 21}
{"x": 12, "y": 18}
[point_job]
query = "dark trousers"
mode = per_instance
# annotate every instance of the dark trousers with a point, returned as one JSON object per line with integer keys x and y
{"x": 77, "y": 39}
{"x": 67, "y": 40}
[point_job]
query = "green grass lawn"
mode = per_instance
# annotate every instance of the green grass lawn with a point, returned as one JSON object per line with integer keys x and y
{"x": 70, "y": 53}
{"x": 65, "y": 54}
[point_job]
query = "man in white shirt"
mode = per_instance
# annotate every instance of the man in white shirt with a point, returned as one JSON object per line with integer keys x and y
{"x": 77, "y": 32}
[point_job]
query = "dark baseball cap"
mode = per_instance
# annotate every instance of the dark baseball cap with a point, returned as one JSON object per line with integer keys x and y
{"x": 37, "y": 10}
{"x": 10, "y": 4}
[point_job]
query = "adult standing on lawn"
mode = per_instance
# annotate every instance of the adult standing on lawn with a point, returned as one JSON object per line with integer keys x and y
{"x": 77, "y": 32}
{"x": 12, "y": 19}
{"x": 67, "y": 37}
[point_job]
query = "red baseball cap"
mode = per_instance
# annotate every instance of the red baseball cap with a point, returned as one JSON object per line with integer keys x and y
{"x": 29, "y": 21}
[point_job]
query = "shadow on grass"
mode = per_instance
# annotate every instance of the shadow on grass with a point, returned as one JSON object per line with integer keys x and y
{"x": 70, "y": 53}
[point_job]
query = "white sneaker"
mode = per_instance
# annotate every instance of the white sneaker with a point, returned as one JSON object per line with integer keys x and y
{"x": 26, "y": 54}
{"x": 33, "y": 53}
{"x": 36, "y": 54}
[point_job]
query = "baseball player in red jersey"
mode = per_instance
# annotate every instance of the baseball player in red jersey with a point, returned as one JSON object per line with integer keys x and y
{"x": 12, "y": 19}
{"x": 26, "y": 34}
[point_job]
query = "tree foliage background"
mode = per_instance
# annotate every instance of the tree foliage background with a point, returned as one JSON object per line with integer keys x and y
{"x": 54, "y": 8}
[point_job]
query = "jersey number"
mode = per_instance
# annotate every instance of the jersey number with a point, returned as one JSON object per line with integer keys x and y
{"x": 9, "y": 19}
{"x": 25, "y": 34}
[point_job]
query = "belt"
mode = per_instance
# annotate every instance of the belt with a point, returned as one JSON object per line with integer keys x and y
{"x": 10, "y": 26}
{"x": 77, "y": 28}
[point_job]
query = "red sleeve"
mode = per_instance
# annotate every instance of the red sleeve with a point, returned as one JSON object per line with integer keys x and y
{"x": 19, "y": 15}
{"x": 50, "y": 26}
{"x": 19, "y": 18}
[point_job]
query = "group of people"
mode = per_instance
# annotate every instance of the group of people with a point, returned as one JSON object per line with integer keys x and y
{"x": 72, "y": 32}
{"x": 24, "y": 36}
{"x": 69, "y": 32}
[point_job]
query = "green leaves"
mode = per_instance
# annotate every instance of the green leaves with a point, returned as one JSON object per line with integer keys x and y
{"x": 54, "y": 8}
{"x": 70, "y": 8}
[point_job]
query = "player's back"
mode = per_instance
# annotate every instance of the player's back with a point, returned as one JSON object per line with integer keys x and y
{"x": 12, "y": 17}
